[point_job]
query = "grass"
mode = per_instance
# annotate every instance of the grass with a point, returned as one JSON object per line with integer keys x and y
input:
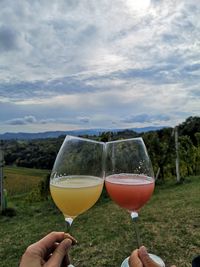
{"x": 169, "y": 227}
{"x": 22, "y": 180}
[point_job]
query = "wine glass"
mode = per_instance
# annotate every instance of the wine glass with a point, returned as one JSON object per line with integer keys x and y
{"x": 77, "y": 176}
{"x": 129, "y": 179}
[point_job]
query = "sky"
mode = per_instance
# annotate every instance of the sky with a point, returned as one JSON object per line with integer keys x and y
{"x": 82, "y": 64}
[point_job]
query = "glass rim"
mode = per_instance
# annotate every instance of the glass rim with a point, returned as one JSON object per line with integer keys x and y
{"x": 126, "y": 140}
{"x": 68, "y": 136}
{"x": 82, "y": 139}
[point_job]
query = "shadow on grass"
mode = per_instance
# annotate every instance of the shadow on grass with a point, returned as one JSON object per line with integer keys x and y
{"x": 9, "y": 212}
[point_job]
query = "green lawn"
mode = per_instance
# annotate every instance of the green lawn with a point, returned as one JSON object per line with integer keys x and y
{"x": 22, "y": 180}
{"x": 169, "y": 226}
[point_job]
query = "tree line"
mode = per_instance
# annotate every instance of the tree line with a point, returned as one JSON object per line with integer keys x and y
{"x": 41, "y": 153}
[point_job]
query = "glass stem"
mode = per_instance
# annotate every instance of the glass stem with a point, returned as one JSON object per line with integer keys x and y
{"x": 68, "y": 223}
{"x": 134, "y": 216}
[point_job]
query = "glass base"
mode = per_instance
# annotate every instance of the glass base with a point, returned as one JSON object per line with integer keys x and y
{"x": 155, "y": 258}
{"x": 70, "y": 265}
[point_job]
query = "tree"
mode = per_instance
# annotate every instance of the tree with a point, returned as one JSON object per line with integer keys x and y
{"x": 197, "y": 154}
{"x": 190, "y": 127}
{"x": 187, "y": 156}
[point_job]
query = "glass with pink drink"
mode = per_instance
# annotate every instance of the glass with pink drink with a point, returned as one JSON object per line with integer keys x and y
{"x": 130, "y": 180}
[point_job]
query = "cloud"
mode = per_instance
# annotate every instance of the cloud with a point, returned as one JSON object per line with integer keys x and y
{"x": 92, "y": 63}
{"x": 75, "y": 120}
{"x": 47, "y": 121}
{"x": 22, "y": 121}
{"x": 9, "y": 39}
{"x": 30, "y": 119}
{"x": 146, "y": 118}
{"x": 191, "y": 68}
{"x": 42, "y": 89}
{"x": 84, "y": 120}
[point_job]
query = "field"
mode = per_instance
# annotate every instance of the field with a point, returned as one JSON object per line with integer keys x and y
{"x": 169, "y": 226}
{"x": 21, "y": 180}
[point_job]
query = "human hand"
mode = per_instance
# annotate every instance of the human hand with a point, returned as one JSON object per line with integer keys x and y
{"x": 51, "y": 251}
{"x": 140, "y": 258}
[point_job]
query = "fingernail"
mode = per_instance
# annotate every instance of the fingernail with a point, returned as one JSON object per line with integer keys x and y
{"x": 67, "y": 243}
{"x": 143, "y": 249}
{"x": 74, "y": 241}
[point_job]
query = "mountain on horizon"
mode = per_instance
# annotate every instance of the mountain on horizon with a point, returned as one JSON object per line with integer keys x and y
{"x": 55, "y": 134}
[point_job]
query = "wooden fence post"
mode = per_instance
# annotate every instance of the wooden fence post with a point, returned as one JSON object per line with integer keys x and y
{"x": 1, "y": 178}
{"x": 177, "y": 155}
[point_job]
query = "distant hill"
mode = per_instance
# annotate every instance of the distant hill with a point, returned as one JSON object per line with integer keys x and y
{"x": 55, "y": 134}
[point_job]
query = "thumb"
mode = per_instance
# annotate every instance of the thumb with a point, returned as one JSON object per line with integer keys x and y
{"x": 145, "y": 258}
{"x": 134, "y": 260}
{"x": 59, "y": 253}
